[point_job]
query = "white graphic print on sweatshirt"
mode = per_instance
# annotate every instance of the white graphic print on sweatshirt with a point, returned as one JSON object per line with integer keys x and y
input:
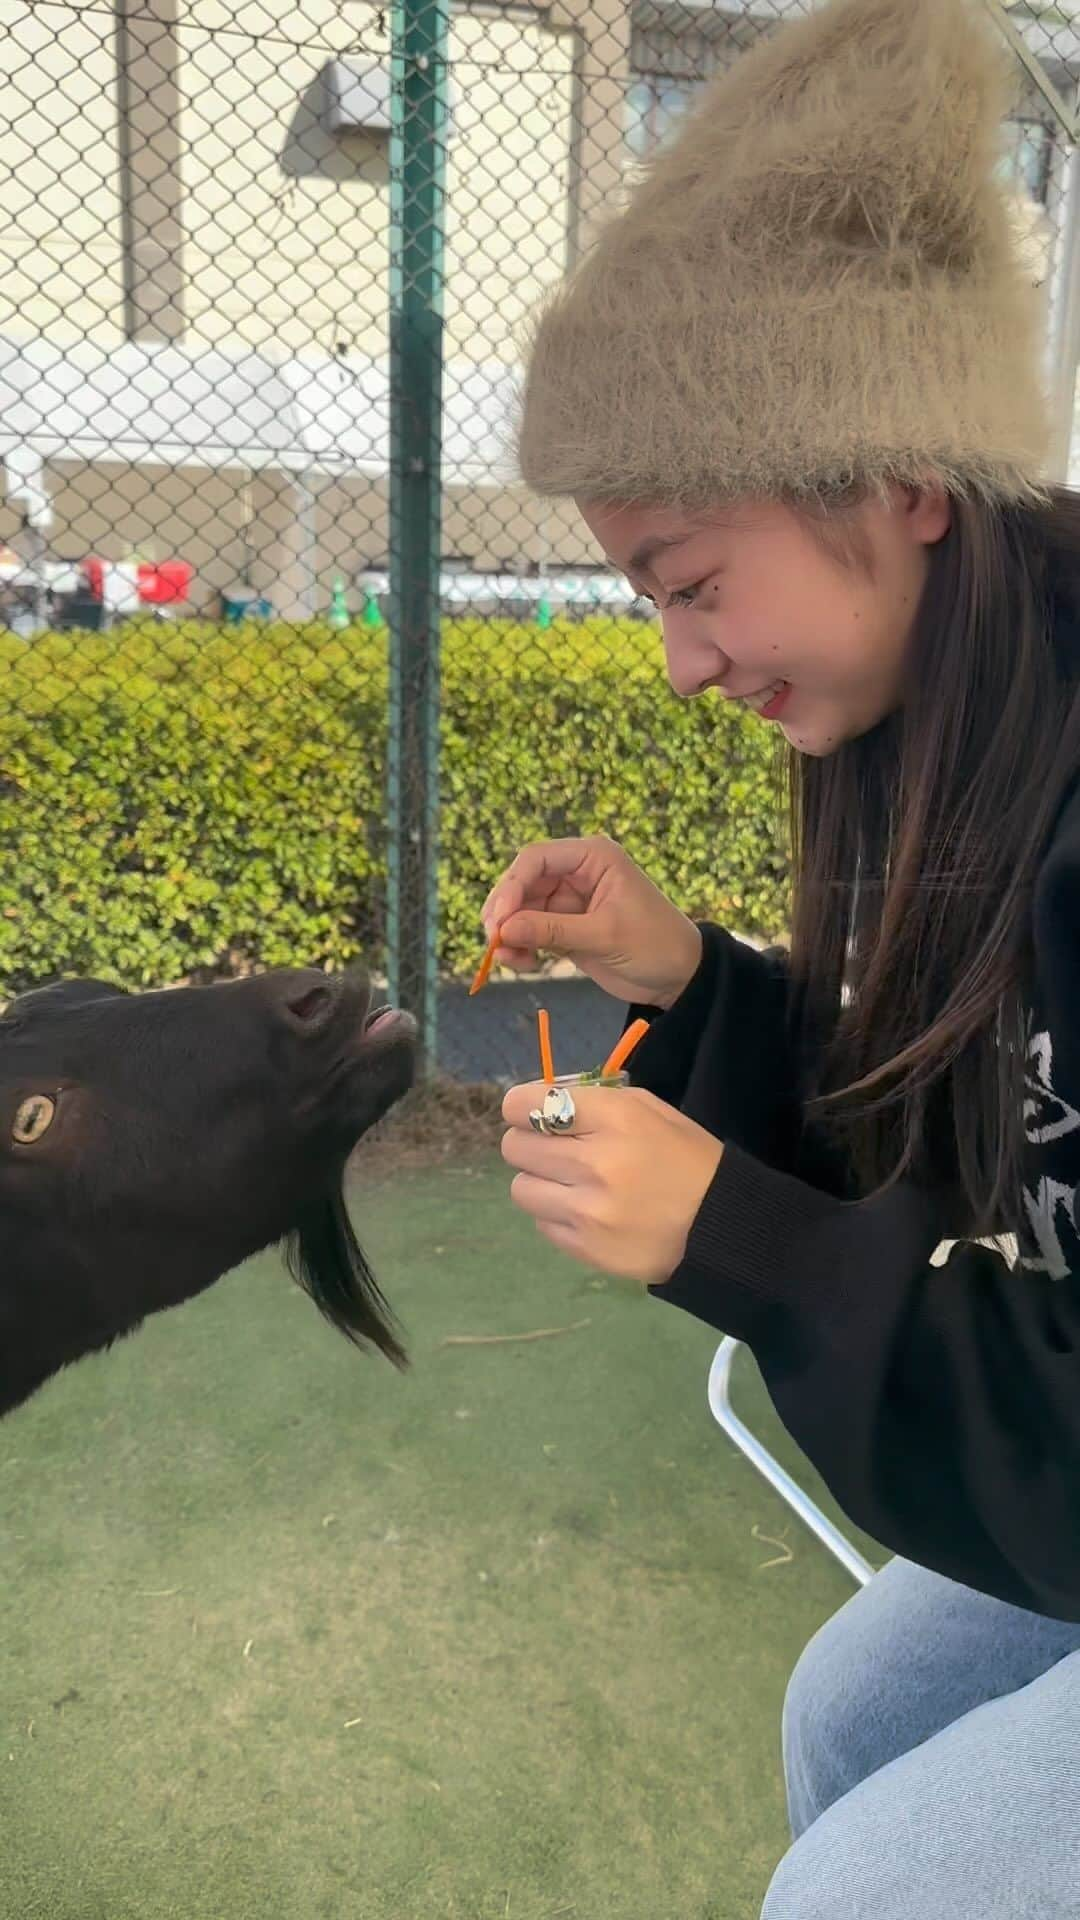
{"x": 1051, "y": 1202}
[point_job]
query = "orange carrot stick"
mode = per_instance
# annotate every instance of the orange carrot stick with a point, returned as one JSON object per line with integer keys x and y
{"x": 621, "y": 1053}
{"x": 483, "y": 971}
{"x": 547, "y": 1063}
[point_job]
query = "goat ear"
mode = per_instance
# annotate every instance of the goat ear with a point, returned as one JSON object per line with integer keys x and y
{"x": 325, "y": 1258}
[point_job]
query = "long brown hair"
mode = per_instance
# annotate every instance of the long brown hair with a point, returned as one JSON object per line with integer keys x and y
{"x": 916, "y": 854}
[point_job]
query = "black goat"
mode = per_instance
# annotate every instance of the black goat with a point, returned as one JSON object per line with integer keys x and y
{"x": 150, "y": 1142}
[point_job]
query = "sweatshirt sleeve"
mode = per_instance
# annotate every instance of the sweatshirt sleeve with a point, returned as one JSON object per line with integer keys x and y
{"x": 723, "y": 1051}
{"x": 725, "y": 1054}
{"x": 941, "y": 1404}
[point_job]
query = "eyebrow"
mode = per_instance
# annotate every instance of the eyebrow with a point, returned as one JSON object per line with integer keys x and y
{"x": 648, "y": 551}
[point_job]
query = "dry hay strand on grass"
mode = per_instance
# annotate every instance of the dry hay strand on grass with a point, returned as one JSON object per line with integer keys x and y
{"x": 439, "y": 1123}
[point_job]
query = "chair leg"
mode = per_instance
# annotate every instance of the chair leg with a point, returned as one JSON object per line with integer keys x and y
{"x": 759, "y": 1456}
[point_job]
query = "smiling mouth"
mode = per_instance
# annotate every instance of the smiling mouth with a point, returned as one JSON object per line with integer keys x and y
{"x": 770, "y": 702}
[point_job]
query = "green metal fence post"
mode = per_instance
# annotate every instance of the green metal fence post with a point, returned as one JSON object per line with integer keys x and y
{"x": 420, "y": 32}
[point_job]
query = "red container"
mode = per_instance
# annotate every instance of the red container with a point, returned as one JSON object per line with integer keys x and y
{"x": 164, "y": 583}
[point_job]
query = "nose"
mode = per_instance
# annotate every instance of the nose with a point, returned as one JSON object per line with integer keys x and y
{"x": 304, "y": 999}
{"x": 693, "y": 663}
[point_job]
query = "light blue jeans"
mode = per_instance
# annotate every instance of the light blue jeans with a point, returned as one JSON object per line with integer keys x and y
{"x": 932, "y": 1759}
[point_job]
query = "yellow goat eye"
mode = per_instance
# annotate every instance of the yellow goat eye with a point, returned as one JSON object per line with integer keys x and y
{"x": 34, "y": 1118}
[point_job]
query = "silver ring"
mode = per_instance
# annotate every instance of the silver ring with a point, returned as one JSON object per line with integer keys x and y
{"x": 557, "y": 1115}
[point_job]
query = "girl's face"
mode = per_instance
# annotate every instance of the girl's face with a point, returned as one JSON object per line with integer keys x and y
{"x": 754, "y": 604}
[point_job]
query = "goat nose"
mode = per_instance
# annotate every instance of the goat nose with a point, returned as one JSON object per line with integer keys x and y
{"x": 306, "y": 1000}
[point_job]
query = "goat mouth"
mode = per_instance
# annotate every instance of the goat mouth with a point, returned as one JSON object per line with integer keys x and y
{"x": 377, "y": 1064}
{"x": 386, "y": 1021}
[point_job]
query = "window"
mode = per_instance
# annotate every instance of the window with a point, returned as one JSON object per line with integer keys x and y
{"x": 1029, "y": 152}
{"x": 654, "y": 105}
{"x": 666, "y": 79}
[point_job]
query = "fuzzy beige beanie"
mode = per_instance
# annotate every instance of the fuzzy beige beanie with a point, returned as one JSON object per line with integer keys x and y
{"x": 815, "y": 287}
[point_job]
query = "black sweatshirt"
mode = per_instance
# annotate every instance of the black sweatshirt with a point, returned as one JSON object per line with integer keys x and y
{"x": 941, "y": 1404}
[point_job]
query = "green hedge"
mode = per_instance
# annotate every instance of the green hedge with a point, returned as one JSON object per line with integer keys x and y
{"x": 190, "y": 799}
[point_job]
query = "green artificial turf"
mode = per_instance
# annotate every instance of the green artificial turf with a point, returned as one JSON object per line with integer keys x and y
{"x": 285, "y": 1634}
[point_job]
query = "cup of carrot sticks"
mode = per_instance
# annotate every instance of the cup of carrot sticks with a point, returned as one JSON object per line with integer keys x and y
{"x": 613, "y": 1071}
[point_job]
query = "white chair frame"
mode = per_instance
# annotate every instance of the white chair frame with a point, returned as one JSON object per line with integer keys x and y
{"x": 759, "y": 1456}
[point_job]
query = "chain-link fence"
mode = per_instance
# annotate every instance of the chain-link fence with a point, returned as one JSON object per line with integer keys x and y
{"x": 290, "y": 665}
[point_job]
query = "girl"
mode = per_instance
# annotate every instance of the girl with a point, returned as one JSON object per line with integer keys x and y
{"x": 793, "y": 391}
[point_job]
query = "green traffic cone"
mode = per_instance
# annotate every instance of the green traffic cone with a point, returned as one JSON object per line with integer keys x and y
{"x": 543, "y": 611}
{"x": 371, "y": 616}
{"x": 339, "y": 612}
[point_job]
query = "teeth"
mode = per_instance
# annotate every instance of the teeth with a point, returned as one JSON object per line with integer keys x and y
{"x": 757, "y": 701}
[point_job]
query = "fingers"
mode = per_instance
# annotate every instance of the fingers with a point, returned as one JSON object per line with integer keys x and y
{"x": 553, "y": 933}
{"x": 565, "y": 1238}
{"x": 542, "y": 1199}
{"x": 541, "y": 869}
{"x": 519, "y": 1102}
{"x": 539, "y": 1154}
{"x": 598, "y": 1109}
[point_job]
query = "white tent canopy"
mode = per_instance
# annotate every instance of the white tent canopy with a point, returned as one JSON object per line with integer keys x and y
{"x": 175, "y": 405}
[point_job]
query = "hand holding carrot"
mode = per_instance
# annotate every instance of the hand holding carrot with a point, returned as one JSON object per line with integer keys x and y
{"x": 586, "y": 900}
{"x": 623, "y": 1190}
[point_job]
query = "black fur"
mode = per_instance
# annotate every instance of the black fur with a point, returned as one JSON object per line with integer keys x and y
{"x": 191, "y": 1129}
{"x": 326, "y": 1259}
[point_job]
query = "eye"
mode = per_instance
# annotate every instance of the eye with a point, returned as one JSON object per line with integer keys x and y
{"x": 34, "y": 1118}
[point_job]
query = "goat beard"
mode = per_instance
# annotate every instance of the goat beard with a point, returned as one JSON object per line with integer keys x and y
{"x": 326, "y": 1259}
